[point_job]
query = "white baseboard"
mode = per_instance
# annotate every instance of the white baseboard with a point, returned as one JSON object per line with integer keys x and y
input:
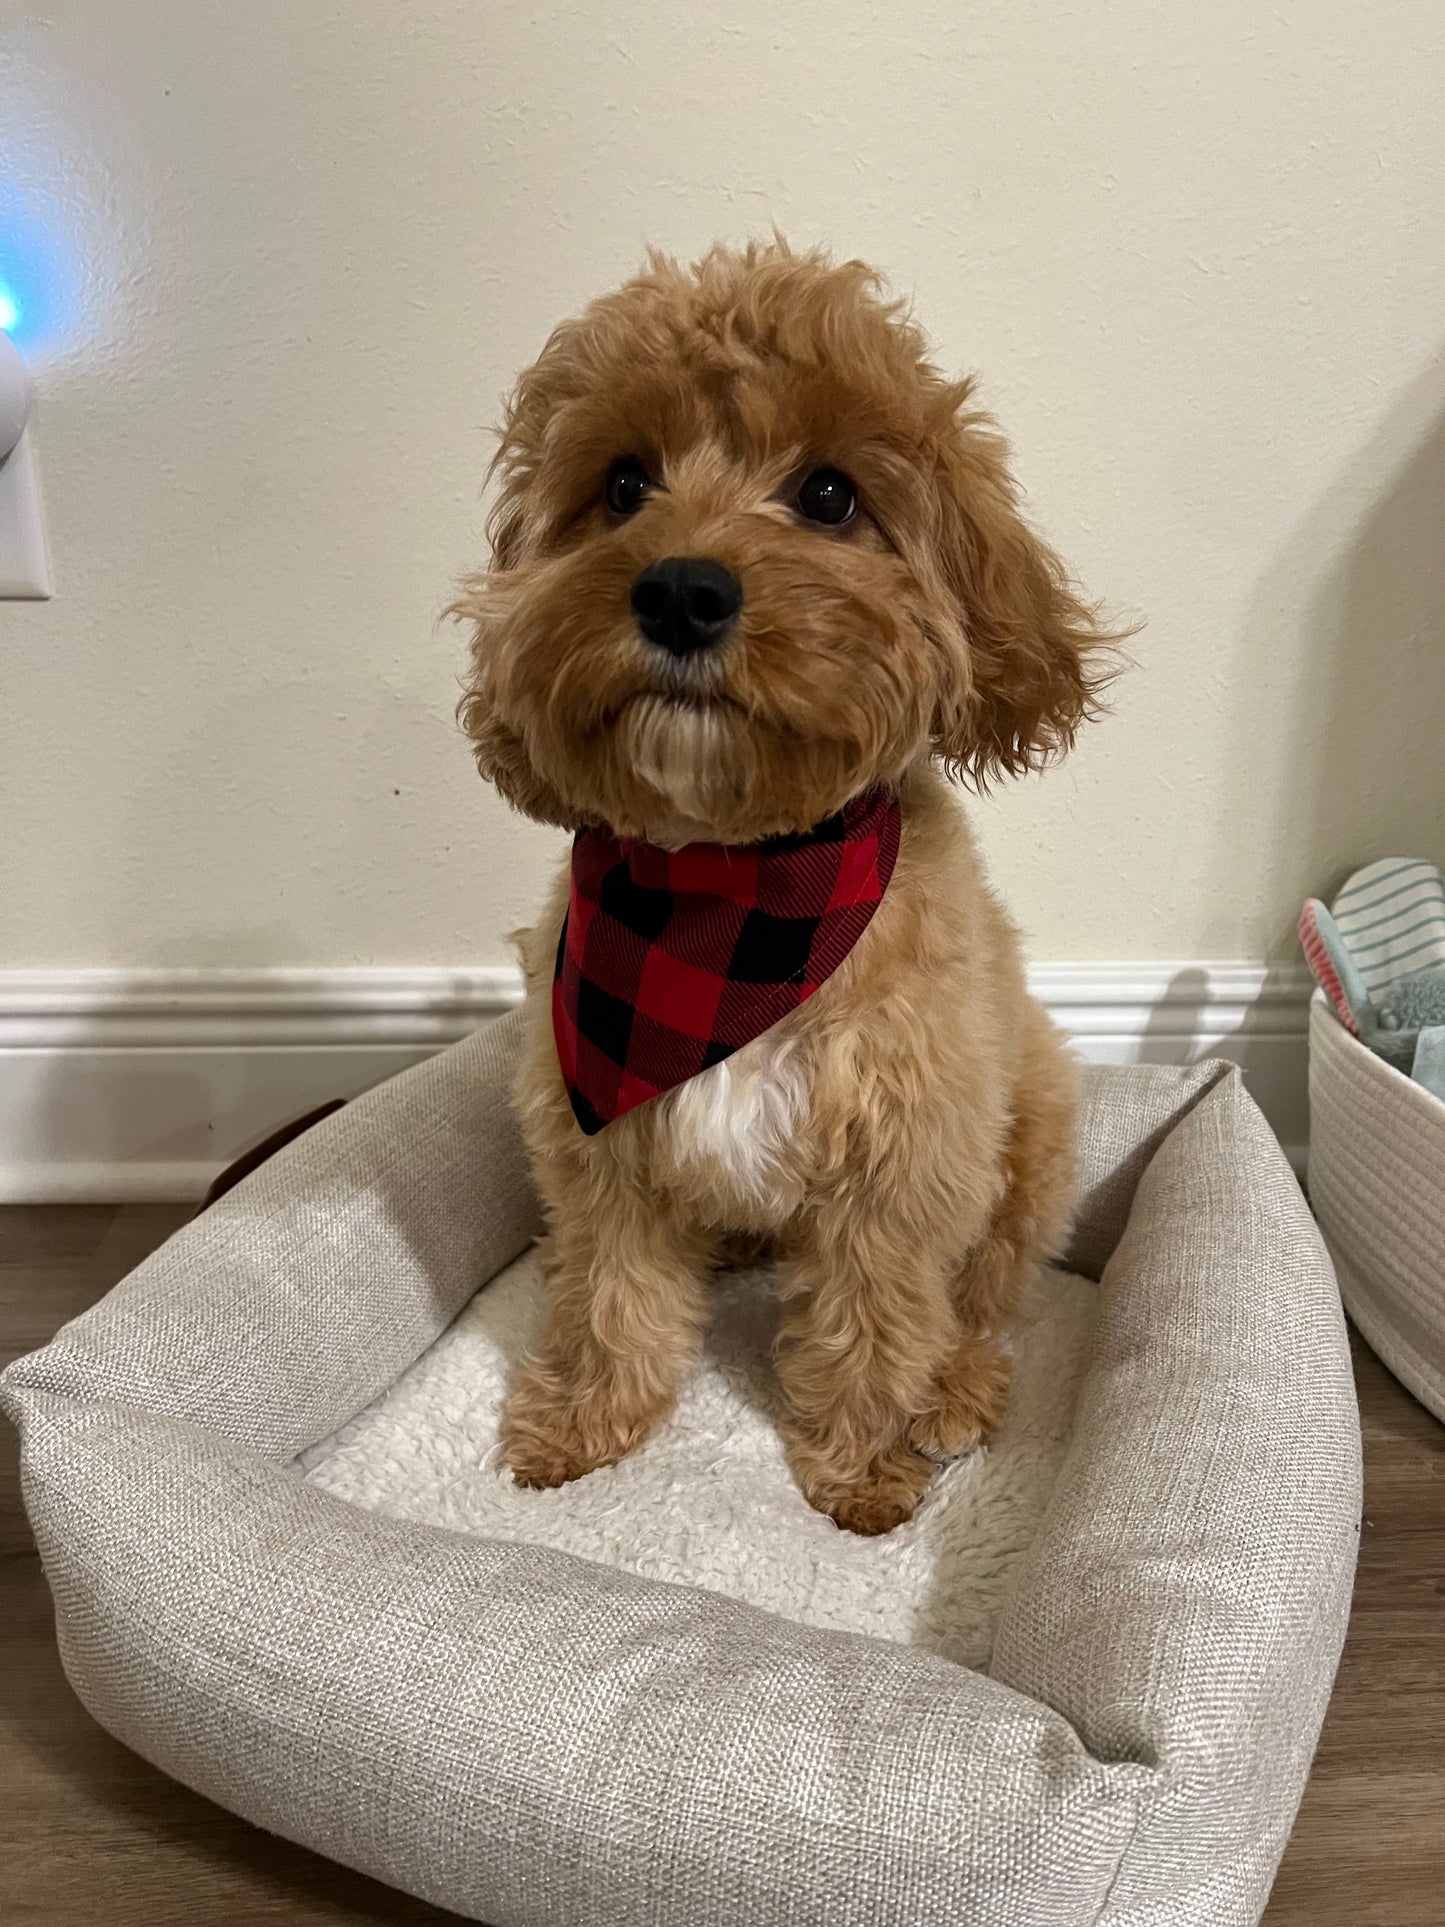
{"x": 122, "y": 1085}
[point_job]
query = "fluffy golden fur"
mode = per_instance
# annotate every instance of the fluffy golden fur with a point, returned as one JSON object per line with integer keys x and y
{"x": 903, "y": 1142}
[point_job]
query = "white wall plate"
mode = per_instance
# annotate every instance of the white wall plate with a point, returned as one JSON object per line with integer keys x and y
{"x": 24, "y": 565}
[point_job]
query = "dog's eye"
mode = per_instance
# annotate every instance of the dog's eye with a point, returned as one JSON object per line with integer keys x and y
{"x": 628, "y": 484}
{"x": 827, "y": 496}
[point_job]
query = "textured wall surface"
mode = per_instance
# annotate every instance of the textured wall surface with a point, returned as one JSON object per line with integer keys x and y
{"x": 277, "y": 264}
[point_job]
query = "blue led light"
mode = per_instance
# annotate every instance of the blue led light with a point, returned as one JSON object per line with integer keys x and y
{"x": 41, "y": 284}
{"x": 51, "y": 269}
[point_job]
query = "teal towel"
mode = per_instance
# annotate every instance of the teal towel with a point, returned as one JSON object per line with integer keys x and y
{"x": 1429, "y": 1066}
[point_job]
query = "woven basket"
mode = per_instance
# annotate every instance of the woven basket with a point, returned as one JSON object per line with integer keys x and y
{"x": 1377, "y": 1184}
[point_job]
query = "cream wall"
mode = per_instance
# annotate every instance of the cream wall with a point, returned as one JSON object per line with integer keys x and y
{"x": 281, "y": 260}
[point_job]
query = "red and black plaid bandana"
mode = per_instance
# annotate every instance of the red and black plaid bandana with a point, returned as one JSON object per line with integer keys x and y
{"x": 671, "y": 960}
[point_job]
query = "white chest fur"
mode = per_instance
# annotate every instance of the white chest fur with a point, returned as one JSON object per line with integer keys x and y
{"x": 733, "y": 1129}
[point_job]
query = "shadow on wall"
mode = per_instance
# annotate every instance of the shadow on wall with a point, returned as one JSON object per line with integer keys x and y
{"x": 1266, "y": 1039}
{"x": 1360, "y": 773}
{"x": 1177, "y": 1024}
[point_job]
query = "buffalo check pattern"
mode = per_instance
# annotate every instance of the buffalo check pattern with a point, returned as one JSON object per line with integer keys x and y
{"x": 671, "y": 960}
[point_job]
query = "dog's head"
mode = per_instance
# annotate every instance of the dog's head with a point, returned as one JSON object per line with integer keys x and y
{"x": 752, "y": 554}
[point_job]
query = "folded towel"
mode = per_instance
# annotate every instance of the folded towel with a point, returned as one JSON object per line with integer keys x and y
{"x": 1334, "y": 970}
{"x": 1392, "y": 917}
{"x": 1378, "y": 953}
{"x": 1429, "y": 1066}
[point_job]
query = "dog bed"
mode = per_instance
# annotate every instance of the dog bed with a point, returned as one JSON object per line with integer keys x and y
{"x": 1150, "y": 1573}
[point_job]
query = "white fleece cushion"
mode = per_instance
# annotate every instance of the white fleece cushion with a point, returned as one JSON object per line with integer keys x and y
{"x": 709, "y": 1500}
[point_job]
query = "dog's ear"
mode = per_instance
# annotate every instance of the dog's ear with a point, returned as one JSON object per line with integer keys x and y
{"x": 513, "y": 469}
{"x": 504, "y": 530}
{"x": 1034, "y": 658}
{"x": 498, "y": 748}
{"x": 500, "y": 753}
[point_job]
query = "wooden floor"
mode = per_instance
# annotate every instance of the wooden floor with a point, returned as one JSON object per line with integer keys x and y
{"x": 91, "y": 1834}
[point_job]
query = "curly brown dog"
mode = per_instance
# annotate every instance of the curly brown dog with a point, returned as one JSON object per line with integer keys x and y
{"x": 871, "y": 610}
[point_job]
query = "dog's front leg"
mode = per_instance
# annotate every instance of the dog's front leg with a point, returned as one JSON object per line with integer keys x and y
{"x": 870, "y": 1320}
{"x": 626, "y": 1310}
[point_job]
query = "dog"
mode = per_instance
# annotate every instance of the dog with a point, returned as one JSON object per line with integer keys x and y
{"x": 758, "y": 563}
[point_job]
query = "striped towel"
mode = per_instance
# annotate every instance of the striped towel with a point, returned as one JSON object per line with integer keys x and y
{"x": 1391, "y": 915}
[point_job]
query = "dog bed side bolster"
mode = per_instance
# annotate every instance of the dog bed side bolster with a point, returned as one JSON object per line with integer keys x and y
{"x": 305, "y": 1291}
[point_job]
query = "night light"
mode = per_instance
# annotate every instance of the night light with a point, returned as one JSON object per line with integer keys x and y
{"x": 24, "y": 565}
{"x": 14, "y": 396}
{"x": 9, "y": 309}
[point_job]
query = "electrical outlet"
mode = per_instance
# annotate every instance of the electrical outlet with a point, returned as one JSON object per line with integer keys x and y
{"x": 24, "y": 567}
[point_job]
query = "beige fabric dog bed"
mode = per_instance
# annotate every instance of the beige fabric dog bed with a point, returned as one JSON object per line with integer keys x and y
{"x": 530, "y": 1737}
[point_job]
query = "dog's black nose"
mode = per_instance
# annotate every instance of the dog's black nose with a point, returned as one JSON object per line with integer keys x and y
{"x": 686, "y": 603}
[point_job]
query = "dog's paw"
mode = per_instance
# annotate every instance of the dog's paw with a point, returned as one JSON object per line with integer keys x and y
{"x": 542, "y": 1448}
{"x": 550, "y": 1437}
{"x": 542, "y": 1445}
{"x": 873, "y": 1501}
{"x": 945, "y": 1434}
{"x": 969, "y": 1402}
{"x": 871, "y": 1514}
{"x": 539, "y": 1461}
